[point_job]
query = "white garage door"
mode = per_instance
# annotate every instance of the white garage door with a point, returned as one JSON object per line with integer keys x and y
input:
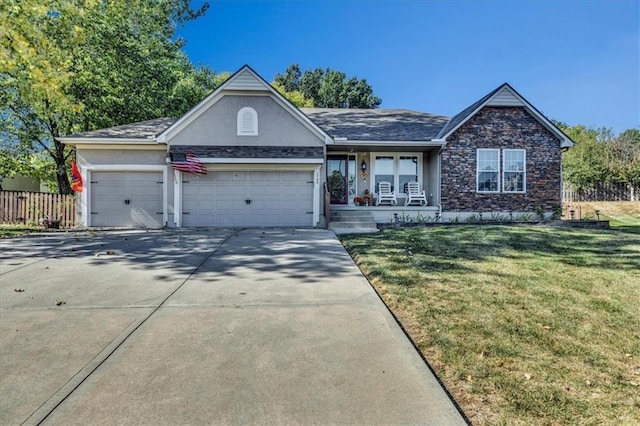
{"x": 248, "y": 199}
{"x": 130, "y": 199}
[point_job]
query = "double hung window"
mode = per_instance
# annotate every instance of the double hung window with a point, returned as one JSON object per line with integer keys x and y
{"x": 385, "y": 171}
{"x": 488, "y": 177}
{"x": 513, "y": 170}
{"x": 398, "y": 170}
{"x": 512, "y": 176}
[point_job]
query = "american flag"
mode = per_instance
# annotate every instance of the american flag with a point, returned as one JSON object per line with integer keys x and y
{"x": 190, "y": 164}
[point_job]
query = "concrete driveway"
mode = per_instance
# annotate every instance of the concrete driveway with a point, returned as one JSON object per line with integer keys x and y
{"x": 202, "y": 327}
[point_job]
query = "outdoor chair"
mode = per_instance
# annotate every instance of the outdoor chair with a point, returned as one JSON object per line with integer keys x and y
{"x": 415, "y": 195}
{"x": 385, "y": 195}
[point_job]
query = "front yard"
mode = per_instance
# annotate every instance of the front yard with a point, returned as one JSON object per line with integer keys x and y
{"x": 523, "y": 324}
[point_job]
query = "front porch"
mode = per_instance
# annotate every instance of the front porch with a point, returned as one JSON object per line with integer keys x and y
{"x": 387, "y": 214}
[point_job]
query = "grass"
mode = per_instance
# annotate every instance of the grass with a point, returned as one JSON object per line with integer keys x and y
{"x": 17, "y": 230}
{"x": 620, "y": 214}
{"x": 523, "y": 324}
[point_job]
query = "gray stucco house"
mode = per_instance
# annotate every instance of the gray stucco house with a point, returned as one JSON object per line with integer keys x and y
{"x": 271, "y": 164}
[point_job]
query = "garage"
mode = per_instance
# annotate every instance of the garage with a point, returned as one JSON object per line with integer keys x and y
{"x": 248, "y": 199}
{"x": 126, "y": 199}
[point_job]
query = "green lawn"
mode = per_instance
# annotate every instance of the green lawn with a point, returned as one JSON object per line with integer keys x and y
{"x": 623, "y": 215}
{"x": 524, "y": 324}
{"x": 17, "y": 230}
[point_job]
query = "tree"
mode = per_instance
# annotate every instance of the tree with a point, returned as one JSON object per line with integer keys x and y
{"x": 623, "y": 157}
{"x": 585, "y": 164}
{"x": 600, "y": 156}
{"x": 296, "y": 97}
{"x": 290, "y": 80}
{"x": 328, "y": 88}
{"x": 76, "y": 65}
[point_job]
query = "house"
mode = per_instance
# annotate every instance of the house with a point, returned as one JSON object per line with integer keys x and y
{"x": 22, "y": 183}
{"x": 269, "y": 163}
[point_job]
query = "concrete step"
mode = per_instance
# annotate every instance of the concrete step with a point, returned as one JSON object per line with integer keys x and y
{"x": 350, "y": 212}
{"x": 339, "y": 214}
{"x": 350, "y": 219}
{"x": 367, "y": 225}
{"x": 365, "y": 218}
{"x": 340, "y": 231}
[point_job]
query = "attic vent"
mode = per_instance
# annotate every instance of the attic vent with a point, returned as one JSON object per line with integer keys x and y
{"x": 504, "y": 97}
{"x": 247, "y": 122}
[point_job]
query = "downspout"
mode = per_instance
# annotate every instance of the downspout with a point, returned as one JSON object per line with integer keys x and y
{"x": 439, "y": 188}
{"x": 562, "y": 151}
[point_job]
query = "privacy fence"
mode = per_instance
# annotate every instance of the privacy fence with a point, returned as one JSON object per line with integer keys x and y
{"x": 37, "y": 208}
{"x": 601, "y": 192}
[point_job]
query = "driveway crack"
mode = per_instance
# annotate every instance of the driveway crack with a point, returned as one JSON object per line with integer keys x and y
{"x": 48, "y": 407}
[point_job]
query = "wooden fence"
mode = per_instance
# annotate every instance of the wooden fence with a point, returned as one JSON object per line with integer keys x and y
{"x": 37, "y": 208}
{"x": 601, "y": 192}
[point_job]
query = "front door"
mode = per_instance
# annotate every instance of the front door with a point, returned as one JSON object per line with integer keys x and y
{"x": 341, "y": 178}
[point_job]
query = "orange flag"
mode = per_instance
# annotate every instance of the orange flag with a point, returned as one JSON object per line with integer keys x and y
{"x": 76, "y": 179}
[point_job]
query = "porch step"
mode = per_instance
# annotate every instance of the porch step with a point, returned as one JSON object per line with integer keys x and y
{"x": 362, "y": 217}
{"x": 351, "y": 219}
{"x": 350, "y": 214}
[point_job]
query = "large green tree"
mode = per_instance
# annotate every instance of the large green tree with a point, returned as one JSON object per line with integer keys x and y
{"x": 328, "y": 88}
{"x": 600, "y": 156}
{"x": 623, "y": 157}
{"x": 75, "y": 65}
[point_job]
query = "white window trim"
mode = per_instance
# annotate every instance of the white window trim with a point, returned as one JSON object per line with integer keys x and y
{"x": 396, "y": 176}
{"x": 524, "y": 172}
{"x": 254, "y": 122}
{"x": 478, "y": 150}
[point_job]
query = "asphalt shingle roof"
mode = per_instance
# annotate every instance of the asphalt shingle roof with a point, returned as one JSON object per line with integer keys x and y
{"x": 461, "y": 116}
{"x": 139, "y": 130}
{"x": 377, "y": 124}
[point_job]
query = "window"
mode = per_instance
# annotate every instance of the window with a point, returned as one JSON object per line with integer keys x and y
{"x": 514, "y": 175}
{"x": 407, "y": 171}
{"x": 398, "y": 170}
{"x": 247, "y": 122}
{"x": 488, "y": 163}
{"x": 513, "y": 170}
{"x": 384, "y": 170}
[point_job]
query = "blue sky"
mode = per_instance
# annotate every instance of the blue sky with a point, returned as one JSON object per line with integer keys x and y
{"x": 576, "y": 61}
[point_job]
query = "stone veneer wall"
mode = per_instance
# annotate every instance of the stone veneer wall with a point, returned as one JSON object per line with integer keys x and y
{"x": 501, "y": 127}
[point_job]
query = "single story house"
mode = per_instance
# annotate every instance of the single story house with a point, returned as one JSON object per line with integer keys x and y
{"x": 269, "y": 163}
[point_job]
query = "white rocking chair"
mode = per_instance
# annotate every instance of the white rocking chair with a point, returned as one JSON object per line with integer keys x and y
{"x": 415, "y": 195}
{"x": 385, "y": 195}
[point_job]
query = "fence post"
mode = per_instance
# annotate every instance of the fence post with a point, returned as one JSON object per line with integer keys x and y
{"x": 20, "y": 207}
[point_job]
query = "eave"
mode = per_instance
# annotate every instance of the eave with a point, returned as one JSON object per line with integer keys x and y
{"x": 108, "y": 141}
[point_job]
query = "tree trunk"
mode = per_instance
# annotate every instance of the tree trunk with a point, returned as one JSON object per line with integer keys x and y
{"x": 64, "y": 187}
{"x": 62, "y": 177}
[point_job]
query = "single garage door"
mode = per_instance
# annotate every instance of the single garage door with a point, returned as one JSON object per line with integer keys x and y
{"x": 248, "y": 199}
{"x": 129, "y": 199}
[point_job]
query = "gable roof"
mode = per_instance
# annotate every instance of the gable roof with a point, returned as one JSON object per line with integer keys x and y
{"x": 377, "y": 124}
{"x": 365, "y": 125}
{"x": 458, "y": 119}
{"x": 142, "y": 130}
{"x": 503, "y": 95}
{"x": 243, "y": 80}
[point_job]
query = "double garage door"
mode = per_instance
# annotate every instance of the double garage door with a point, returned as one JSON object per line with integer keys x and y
{"x": 128, "y": 199}
{"x": 248, "y": 199}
